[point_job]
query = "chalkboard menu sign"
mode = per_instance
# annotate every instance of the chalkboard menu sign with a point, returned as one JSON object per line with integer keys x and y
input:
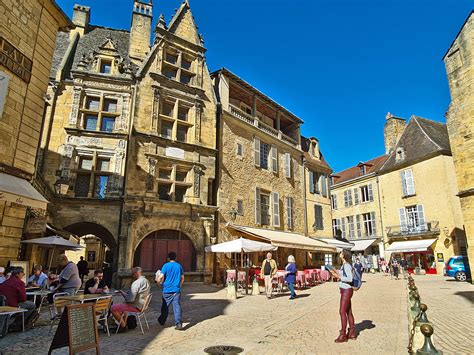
{"x": 77, "y": 329}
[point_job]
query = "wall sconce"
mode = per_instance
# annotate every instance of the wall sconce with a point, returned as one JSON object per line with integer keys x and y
{"x": 61, "y": 187}
{"x": 213, "y": 240}
{"x": 233, "y": 214}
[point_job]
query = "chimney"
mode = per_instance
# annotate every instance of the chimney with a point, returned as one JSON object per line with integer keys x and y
{"x": 393, "y": 130}
{"x": 140, "y": 30}
{"x": 80, "y": 18}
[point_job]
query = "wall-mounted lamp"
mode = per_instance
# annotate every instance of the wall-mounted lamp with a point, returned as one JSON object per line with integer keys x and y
{"x": 233, "y": 214}
{"x": 61, "y": 187}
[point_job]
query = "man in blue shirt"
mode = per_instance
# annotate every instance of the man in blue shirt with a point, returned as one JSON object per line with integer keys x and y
{"x": 171, "y": 277}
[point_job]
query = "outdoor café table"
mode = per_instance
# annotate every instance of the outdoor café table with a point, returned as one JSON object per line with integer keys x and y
{"x": 39, "y": 293}
{"x": 84, "y": 298}
{"x": 9, "y": 311}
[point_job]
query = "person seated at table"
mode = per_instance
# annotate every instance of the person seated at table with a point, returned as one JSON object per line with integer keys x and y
{"x": 39, "y": 278}
{"x": 96, "y": 285}
{"x": 69, "y": 280}
{"x": 15, "y": 292}
{"x": 134, "y": 299}
{"x": 3, "y": 278}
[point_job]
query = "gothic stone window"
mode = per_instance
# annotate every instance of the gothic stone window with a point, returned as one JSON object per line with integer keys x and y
{"x": 175, "y": 120}
{"x": 178, "y": 66}
{"x": 99, "y": 113}
{"x": 93, "y": 176}
{"x": 173, "y": 183}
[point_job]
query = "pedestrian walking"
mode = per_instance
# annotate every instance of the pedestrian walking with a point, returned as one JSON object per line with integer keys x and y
{"x": 269, "y": 270}
{"x": 383, "y": 266}
{"x": 290, "y": 276}
{"x": 345, "y": 277}
{"x": 83, "y": 268}
{"x": 395, "y": 268}
{"x": 403, "y": 266}
{"x": 359, "y": 267}
{"x": 171, "y": 276}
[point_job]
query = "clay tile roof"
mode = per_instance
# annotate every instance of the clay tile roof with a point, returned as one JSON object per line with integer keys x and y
{"x": 353, "y": 172}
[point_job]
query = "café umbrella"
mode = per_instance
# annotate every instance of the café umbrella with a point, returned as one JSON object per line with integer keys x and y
{"x": 241, "y": 245}
{"x": 53, "y": 242}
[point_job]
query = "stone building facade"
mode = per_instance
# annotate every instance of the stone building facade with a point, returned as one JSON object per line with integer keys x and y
{"x": 86, "y": 132}
{"x": 404, "y": 201}
{"x": 169, "y": 198}
{"x": 261, "y": 191}
{"x": 459, "y": 61}
{"x": 27, "y": 33}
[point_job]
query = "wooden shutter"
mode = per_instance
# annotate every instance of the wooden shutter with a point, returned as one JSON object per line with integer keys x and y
{"x": 289, "y": 212}
{"x": 410, "y": 183}
{"x": 343, "y": 227}
{"x": 370, "y": 192}
{"x": 258, "y": 215}
{"x": 288, "y": 167}
{"x": 318, "y": 217}
{"x": 324, "y": 190}
{"x": 274, "y": 159}
{"x": 316, "y": 185}
{"x": 349, "y": 196}
{"x": 374, "y": 224}
{"x": 404, "y": 184}
{"x": 421, "y": 217}
{"x": 403, "y": 219}
{"x": 276, "y": 209}
{"x": 256, "y": 148}
{"x": 359, "y": 229}
{"x": 356, "y": 196}
{"x": 146, "y": 254}
{"x": 311, "y": 182}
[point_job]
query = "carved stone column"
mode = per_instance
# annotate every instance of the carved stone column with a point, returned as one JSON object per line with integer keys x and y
{"x": 75, "y": 107}
{"x": 151, "y": 174}
{"x": 197, "y": 121}
{"x": 155, "y": 114}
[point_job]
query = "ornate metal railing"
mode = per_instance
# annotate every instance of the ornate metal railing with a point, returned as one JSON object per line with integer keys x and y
{"x": 410, "y": 229}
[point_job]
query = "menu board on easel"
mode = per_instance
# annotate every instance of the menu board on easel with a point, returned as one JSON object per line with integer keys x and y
{"x": 77, "y": 329}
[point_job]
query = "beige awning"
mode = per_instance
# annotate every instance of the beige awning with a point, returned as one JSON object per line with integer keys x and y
{"x": 286, "y": 239}
{"x": 20, "y": 191}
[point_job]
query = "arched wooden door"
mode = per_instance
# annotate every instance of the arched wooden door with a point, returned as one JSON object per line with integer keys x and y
{"x": 152, "y": 252}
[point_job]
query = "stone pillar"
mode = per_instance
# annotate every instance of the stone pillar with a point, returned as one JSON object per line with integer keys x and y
{"x": 155, "y": 113}
{"x": 197, "y": 120}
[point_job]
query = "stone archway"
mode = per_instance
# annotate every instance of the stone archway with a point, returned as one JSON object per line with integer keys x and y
{"x": 152, "y": 251}
{"x": 101, "y": 246}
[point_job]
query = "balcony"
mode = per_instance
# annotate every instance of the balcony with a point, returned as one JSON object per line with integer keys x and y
{"x": 245, "y": 117}
{"x": 402, "y": 231}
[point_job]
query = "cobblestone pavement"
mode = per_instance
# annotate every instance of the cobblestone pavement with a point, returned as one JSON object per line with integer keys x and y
{"x": 307, "y": 325}
{"x": 451, "y": 310}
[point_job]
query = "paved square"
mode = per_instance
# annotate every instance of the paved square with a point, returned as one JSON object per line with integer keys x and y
{"x": 307, "y": 325}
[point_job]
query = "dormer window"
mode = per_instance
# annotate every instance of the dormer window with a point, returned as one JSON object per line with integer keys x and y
{"x": 362, "y": 170}
{"x": 400, "y": 154}
{"x": 105, "y": 66}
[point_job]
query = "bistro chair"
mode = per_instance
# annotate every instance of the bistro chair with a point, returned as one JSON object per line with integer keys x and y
{"x": 102, "y": 307}
{"x": 57, "y": 307}
{"x": 138, "y": 315}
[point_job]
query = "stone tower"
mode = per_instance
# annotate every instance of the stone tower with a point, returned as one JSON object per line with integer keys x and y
{"x": 140, "y": 29}
{"x": 393, "y": 129}
{"x": 459, "y": 62}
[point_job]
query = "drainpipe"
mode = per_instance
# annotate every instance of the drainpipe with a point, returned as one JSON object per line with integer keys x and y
{"x": 380, "y": 211}
{"x": 305, "y": 213}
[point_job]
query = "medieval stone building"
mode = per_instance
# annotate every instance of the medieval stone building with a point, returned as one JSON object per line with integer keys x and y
{"x": 459, "y": 61}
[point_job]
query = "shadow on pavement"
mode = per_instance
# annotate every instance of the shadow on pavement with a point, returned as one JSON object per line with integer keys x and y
{"x": 287, "y": 295}
{"x": 469, "y": 295}
{"x": 365, "y": 324}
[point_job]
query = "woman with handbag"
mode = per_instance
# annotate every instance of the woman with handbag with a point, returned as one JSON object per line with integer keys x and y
{"x": 345, "y": 277}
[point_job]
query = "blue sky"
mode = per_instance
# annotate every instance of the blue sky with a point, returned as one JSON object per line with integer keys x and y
{"x": 340, "y": 65}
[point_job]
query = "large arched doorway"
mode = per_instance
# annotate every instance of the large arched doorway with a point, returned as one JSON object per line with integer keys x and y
{"x": 100, "y": 246}
{"x": 152, "y": 252}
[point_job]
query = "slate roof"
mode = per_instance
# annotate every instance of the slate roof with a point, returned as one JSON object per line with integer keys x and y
{"x": 353, "y": 172}
{"x": 89, "y": 43}
{"x": 62, "y": 44}
{"x": 421, "y": 139}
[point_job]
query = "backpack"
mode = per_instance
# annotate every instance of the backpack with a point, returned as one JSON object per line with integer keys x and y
{"x": 356, "y": 279}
